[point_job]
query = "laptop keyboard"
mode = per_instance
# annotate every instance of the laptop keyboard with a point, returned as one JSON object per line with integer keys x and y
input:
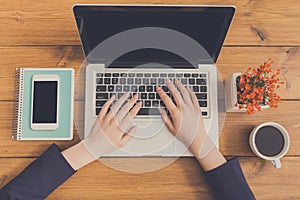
{"x": 108, "y": 84}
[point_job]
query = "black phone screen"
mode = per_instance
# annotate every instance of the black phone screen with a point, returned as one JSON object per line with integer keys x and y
{"x": 44, "y": 102}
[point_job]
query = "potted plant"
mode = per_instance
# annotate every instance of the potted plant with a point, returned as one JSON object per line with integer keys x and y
{"x": 253, "y": 90}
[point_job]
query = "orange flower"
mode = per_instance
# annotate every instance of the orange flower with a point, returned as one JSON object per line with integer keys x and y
{"x": 257, "y": 86}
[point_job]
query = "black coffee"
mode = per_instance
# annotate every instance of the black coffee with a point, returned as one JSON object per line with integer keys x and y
{"x": 269, "y": 141}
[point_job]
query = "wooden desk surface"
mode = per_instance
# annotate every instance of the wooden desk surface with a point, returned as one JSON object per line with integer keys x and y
{"x": 43, "y": 34}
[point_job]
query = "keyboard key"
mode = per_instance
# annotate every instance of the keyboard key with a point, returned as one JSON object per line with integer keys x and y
{"x": 179, "y": 75}
{"x": 146, "y": 81}
{"x": 123, "y": 74}
{"x": 111, "y": 94}
{"x": 155, "y": 75}
{"x": 119, "y": 88}
{"x": 191, "y": 81}
{"x": 97, "y": 111}
{"x": 203, "y": 89}
{"x": 202, "y": 103}
{"x": 106, "y": 80}
{"x": 204, "y": 113}
{"x": 155, "y": 103}
{"x": 162, "y": 104}
{"x": 99, "y": 74}
{"x": 147, "y": 75}
{"x": 148, "y": 111}
{"x": 101, "y": 88}
{"x": 101, "y": 95}
{"x": 99, "y": 80}
{"x": 161, "y": 81}
{"x": 195, "y": 88}
{"x": 139, "y": 75}
{"x": 119, "y": 95}
{"x": 110, "y": 88}
{"x": 201, "y": 95}
{"x": 151, "y": 95}
{"x": 157, "y": 96}
{"x": 142, "y": 88}
{"x": 187, "y": 75}
{"x": 184, "y": 81}
{"x": 126, "y": 88}
{"x": 201, "y": 81}
{"x": 143, "y": 96}
{"x": 114, "y": 80}
{"x": 116, "y": 74}
{"x": 131, "y": 75}
{"x": 164, "y": 88}
{"x": 130, "y": 81}
{"x": 138, "y": 80}
{"x": 149, "y": 88}
{"x": 122, "y": 81}
{"x": 147, "y": 103}
{"x": 153, "y": 80}
{"x": 100, "y": 103}
{"x": 194, "y": 75}
{"x": 107, "y": 74}
{"x": 203, "y": 75}
{"x": 134, "y": 88}
{"x": 163, "y": 75}
{"x": 171, "y": 75}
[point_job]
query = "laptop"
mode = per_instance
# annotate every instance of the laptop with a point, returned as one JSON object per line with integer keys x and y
{"x": 133, "y": 48}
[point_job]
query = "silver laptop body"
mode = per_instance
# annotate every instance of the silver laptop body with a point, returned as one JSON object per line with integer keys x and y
{"x": 152, "y": 137}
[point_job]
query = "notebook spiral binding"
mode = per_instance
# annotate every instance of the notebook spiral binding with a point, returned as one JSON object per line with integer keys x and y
{"x": 18, "y": 105}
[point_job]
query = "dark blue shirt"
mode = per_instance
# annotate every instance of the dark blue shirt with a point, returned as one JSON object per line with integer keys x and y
{"x": 51, "y": 169}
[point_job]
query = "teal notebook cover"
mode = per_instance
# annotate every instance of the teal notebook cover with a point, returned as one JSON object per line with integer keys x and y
{"x": 22, "y": 125}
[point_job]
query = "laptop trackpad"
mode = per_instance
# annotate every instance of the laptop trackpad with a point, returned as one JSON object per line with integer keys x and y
{"x": 152, "y": 139}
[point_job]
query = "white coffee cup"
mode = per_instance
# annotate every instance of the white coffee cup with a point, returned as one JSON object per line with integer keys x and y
{"x": 274, "y": 159}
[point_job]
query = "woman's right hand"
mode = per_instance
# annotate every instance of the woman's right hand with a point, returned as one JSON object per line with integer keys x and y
{"x": 186, "y": 122}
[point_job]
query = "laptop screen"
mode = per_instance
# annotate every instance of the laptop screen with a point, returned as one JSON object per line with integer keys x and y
{"x": 206, "y": 25}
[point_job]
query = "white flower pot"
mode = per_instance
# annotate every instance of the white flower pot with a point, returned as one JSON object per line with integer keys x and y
{"x": 231, "y": 94}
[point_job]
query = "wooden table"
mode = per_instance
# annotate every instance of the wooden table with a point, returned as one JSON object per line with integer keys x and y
{"x": 43, "y": 34}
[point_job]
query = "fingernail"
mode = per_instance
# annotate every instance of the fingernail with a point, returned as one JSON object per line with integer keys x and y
{"x": 168, "y": 81}
{"x": 158, "y": 88}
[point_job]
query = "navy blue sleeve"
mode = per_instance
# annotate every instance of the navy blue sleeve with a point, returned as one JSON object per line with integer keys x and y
{"x": 228, "y": 182}
{"x": 40, "y": 178}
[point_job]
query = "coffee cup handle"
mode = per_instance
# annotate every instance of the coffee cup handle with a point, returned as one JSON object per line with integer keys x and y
{"x": 276, "y": 163}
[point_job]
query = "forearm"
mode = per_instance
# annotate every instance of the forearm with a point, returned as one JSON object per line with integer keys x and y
{"x": 212, "y": 160}
{"x": 77, "y": 156}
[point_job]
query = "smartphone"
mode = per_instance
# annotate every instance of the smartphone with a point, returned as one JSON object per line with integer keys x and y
{"x": 44, "y": 102}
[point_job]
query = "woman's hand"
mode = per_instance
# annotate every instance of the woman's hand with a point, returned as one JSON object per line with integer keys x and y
{"x": 186, "y": 121}
{"x": 113, "y": 129}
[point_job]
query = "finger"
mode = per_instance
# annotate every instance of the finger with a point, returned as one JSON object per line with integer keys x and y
{"x": 168, "y": 122}
{"x": 166, "y": 99}
{"x": 130, "y": 116}
{"x": 105, "y": 107}
{"x": 115, "y": 108}
{"x": 177, "y": 97}
{"x": 125, "y": 109}
{"x": 184, "y": 92}
{"x": 193, "y": 96}
{"x": 129, "y": 135}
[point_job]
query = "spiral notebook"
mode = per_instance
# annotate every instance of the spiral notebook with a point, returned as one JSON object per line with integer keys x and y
{"x": 23, "y": 97}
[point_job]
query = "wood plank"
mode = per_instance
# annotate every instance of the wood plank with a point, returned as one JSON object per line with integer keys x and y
{"x": 233, "y": 139}
{"x": 181, "y": 180}
{"x": 51, "y": 23}
{"x": 232, "y": 59}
